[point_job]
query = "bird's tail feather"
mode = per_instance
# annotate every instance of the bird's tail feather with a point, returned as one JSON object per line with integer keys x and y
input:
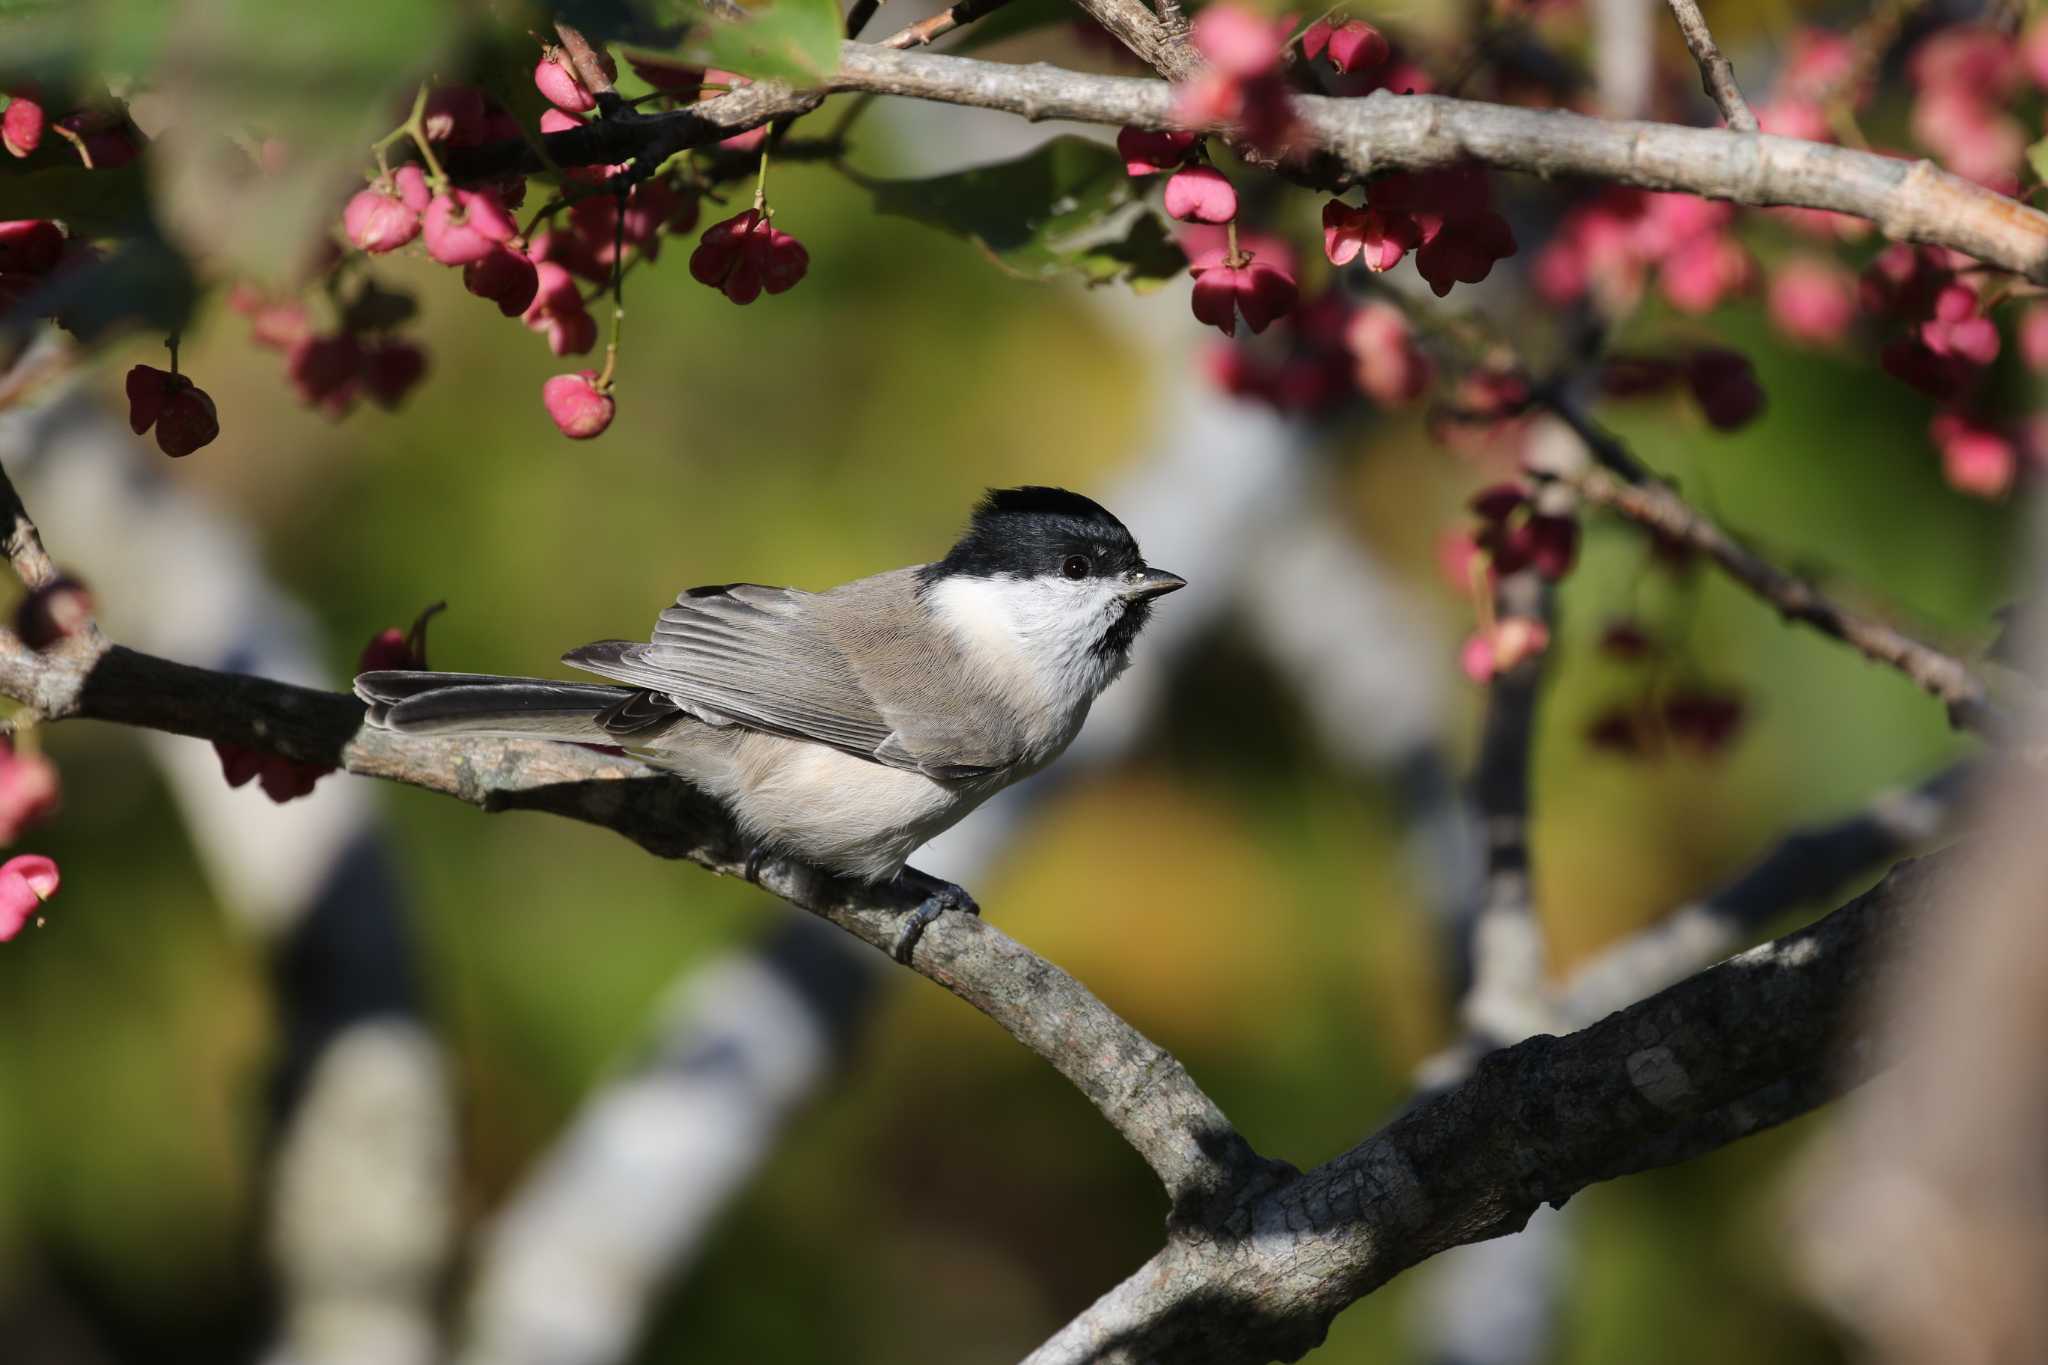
{"x": 482, "y": 704}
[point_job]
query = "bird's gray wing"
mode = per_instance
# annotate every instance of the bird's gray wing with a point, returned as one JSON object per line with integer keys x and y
{"x": 743, "y": 654}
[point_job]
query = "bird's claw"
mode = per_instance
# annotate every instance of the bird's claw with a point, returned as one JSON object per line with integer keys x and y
{"x": 916, "y": 921}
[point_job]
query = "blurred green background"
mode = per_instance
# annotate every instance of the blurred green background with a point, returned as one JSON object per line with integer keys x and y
{"x": 952, "y": 1198}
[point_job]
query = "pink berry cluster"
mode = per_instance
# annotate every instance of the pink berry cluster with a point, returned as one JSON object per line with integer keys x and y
{"x": 1445, "y": 217}
{"x": 1943, "y": 343}
{"x": 1721, "y": 382}
{"x": 1659, "y": 712}
{"x": 1612, "y": 246}
{"x": 361, "y": 357}
{"x": 1326, "y": 352}
{"x": 604, "y": 220}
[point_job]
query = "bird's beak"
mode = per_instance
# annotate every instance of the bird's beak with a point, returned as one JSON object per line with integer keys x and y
{"x": 1149, "y": 582}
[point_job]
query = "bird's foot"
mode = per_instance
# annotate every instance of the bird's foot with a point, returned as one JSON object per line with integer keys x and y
{"x": 944, "y": 896}
{"x": 755, "y": 857}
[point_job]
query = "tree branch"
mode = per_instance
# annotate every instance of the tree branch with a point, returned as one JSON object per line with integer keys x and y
{"x": 1717, "y": 75}
{"x": 926, "y": 31}
{"x": 1659, "y": 508}
{"x": 1140, "y": 1088}
{"x": 1907, "y": 200}
{"x": 1163, "y": 47}
{"x": 1504, "y": 998}
{"x": 1679, "y": 1074}
{"x": 1803, "y": 866}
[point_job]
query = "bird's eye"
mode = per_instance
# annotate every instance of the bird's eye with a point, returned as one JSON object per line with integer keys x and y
{"x": 1077, "y": 566}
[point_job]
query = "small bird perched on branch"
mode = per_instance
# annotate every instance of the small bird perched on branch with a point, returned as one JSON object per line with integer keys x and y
{"x": 848, "y": 727}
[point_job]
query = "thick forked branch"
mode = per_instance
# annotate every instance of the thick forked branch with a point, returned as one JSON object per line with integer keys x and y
{"x": 1676, "y": 1075}
{"x": 1717, "y": 75}
{"x": 1907, "y": 200}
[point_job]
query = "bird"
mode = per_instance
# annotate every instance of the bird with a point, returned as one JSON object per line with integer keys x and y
{"x": 846, "y": 728}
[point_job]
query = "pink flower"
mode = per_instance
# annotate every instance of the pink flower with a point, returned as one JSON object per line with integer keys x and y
{"x": 557, "y": 311}
{"x": 1148, "y": 153}
{"x": 1703, "y": 272}
{"x": 282, "y": 779}
{"x": 2034, "y": 337}
{"x": 1352, "y": 47}
{"x": 504, "y": 276}
{"x": 21, "y": 127}
{"x": 1703, "y": 719}
{"x": 1813, "y": 300}
{"x": 1463, "y": 251}
{"x": 1970, "y": 57}
{"x": 560, "y": 86}
{"x": 1261, "y": 292}
{"x": 462, "y": 226}
{"x": 746, "y": 254}
{"x": 385, "y": 218}
{"x": 28, "y": 791}
{"x": 1376, "y": 238}
{"x": 1390, "y": 369}
{"x": 577, "y": 406}
{"x": 1975, "y": 458}
{"x": 1514, "y": 639}
{"x": 325, "y": 371}
{"x": 1200, "y": 194}
{"x": 26, "y": 881}
{"x": 1724, "y": 384}
{"x": 182, "y": 412}
{"x": 1239, "y": 42}
{"x": 391, "y": 369}
{"x": 1957, "y": 330}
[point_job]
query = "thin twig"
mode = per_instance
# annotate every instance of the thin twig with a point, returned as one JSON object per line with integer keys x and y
{"x": 583, "y": 59}
{"x": 1659, "y": 508}
{"x": 858, "y": 16}
{"x": 926, "y": 31}
{"x": 1717, "y": 74}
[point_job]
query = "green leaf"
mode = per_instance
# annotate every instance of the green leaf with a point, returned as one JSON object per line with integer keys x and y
{"x": 788, "y": 40}
{"x": 1065, "y": 210}
{"x": 2037, "y": 157}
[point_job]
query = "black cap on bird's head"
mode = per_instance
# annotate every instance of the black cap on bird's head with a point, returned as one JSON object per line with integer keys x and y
{"x": 1050, "y": 534}
{"x": 1038, "y": 532}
